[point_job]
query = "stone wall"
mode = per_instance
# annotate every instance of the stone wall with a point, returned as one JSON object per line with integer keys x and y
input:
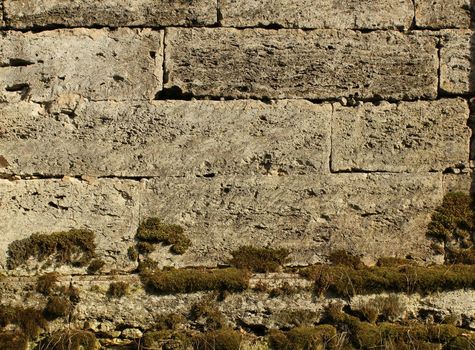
{"x": 307, "y": 125}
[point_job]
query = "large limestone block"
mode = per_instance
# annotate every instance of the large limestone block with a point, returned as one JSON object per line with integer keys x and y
{"x": 113, "y": 13}
{"x": 164, "y": 138}
{"x": 456, "y": 66}
{"x": 437, "y": 14}
{"x": 346, "y": 14}
{"x": 96, "y": 64}
{"x": 405, "y": 137}
{"x": 370, "y": 214}
{"x": 317, "y": 64}
{"x": 110, "y": 208}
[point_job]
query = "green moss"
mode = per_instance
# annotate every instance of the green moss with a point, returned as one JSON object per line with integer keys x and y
{"x": 13, "y": 341}
{"x": 95, "y": 266}
{"x": 47, "y": 284}
{"x": 132, "y": 253}
{"x": 453, "y": 228}
{"x": 57, "y": 306}
{"x": 194, "y": 280}
{"x": 304, "y": 338}
{"x": 118, "y": 289}
{"x": 153, "y": 230}
{"x": 454, "y": 219}
{"x": 208, "y": 315}
{"x": 172, "y": 321}
{"x": 364, "y": 335}
{"x": 70, "y": 340}
{"x": 341, "y": 257}
{"x": 30, "y": 321}
{"x": 345, "y": 281}
{"x": 223, "y": 339}
{"x": 166, "y": 340}
{"x": 74, "y": 247}
{"x": 259, "y": 259}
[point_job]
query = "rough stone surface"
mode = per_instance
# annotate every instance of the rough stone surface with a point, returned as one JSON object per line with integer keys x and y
{"x": 85, "y": 13}
{"x": 436, "y": 14}
{"x": 110, "y": 208}
{"x": 406, "y": 137}
{"x": 456, "y": 66}
{"x": 316, "y": 64}
{"x": 97, "y": 64}
{"x": 352, "y": 14}
{"x": 310, "y": 215}
{"x": 139, "y": 309}
{"x": 164, "y": 138}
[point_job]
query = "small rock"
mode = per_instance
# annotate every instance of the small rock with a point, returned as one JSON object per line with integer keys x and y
{"x": 132, "y": 333}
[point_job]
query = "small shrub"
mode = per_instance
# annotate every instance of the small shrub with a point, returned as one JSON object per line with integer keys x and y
{"x": 297, "y": 318}
{"x": 13, "y": 341}
{"x": 223, "y": 339}
{"x": 194, "y": 280}
{"x": 95, "y": 266}
{"x": 74, "y": 247}
{"x": 57, "y": 306}
{"x": 153, "y": 230}
{"x": 285, "y": 289}
{"x": 31, "y": 321}
{"x": 118, "y": 289}
{"x": 146, "y": 266}
{"x": 304, "y": 338}
{"x": 259, "y": 259}
{"x": 145, "y": 248}
{"x": 47, "y": 284}
{"x": 385, "y": 308}
{"x": 70, "y": 340}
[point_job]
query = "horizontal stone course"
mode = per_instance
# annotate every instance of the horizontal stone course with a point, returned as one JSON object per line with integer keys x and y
{"x": 318, "y": 64}
{"x": 456, "y": 61}
{"x": 345, "y": 14}
{"x": 371, "y": 215}
{"x": 437, "y": 14}
{"x": 165, "y": 138}
{"x": 406, "y": 137}
{"x": 96, "y": 64}
{"x": 86, "y": 13}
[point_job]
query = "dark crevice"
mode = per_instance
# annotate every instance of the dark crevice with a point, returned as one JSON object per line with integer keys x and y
{"x": 17, "y": 62}
{"x": 173, "y": 93}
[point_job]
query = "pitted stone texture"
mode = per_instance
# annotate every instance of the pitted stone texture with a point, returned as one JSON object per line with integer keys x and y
{"x": 317, "y": 64}
{"x": 107, "y": 207}
{"x": 369, "y": 214}
{"x": 112, "y": 13}
{"x": 97, "y": 64}
{"x": 164, "y": 138}
{"x": 405, "y": 137}
{"x": 346, "y": 14}
{"x": 456, "y": 61}
{"x": 436, "y": 14}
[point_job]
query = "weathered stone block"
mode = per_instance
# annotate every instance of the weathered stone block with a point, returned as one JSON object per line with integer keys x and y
{"x": 370, "y": 214}
{"x": 164, "y": 138}
{"x": 110, "y": 208}
{"x": 405, "y": 137}
{"x": 456, "y": 61}
{"x": 85, "y": 13}
{"x": 318, "y": 64}
{"x": 346, "y": 14}
{"x": 436, "y": 14}
{"x": 96, "y": 64}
